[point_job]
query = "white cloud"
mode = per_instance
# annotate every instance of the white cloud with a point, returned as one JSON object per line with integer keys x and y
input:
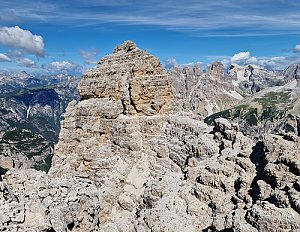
{"x": 252, "y": 59}
{"x": 63, "y": 67}
{"x": 240, "y": 57}
{"x": 170, "y": 63}
{"x": 90, "y": 56}
{"x": 4, "y": 58}
{"x": 26, "y": 62}
{"x": 22, "y": 39}
{"x": 297, "y": 48}
{"x": 276, "y": 63}
{"x": 272, "y": 63}
{"x": 8, "y": 16}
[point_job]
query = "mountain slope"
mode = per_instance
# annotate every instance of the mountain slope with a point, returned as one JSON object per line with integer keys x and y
{"x": 252, "y": 78}
{"x": 203, "y": 93}
{"x": 30, "y": 113}
{"x": 274, "y": 110}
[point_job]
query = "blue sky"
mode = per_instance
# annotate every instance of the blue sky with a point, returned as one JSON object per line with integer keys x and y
{"x": 70, "y": 36}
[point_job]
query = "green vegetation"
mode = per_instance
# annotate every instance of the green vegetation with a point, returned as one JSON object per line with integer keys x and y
{"x": 272, "y": 107}
{"x": 249, "y": 115}
{"x": 26, "y": 142}
{"x": 28, "y": 90}
{"x": 289, "y": 128}
{"x": 273, "y": 99}
{"x": 244, "y": 112}
{"x": 2, "y": 171}
{"x": 222, "y": 114}
{"x": 29, "y": 144}
{"x": 1, "y": 148}
{"x": 16, "y": 135}
{"x": 4, "y": 111}
{"x": 44, "y": 165}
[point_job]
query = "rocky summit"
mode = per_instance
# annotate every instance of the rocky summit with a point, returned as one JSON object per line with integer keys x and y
{"x": 134, "y": 155}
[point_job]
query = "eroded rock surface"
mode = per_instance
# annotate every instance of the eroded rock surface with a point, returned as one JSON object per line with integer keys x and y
{"x": 130, "y": 77}
{"x": 203, "y": 93}
{"x": 127, "y": 161}
{"x": 252, "y": 78}
{"x": 292, "y": 72}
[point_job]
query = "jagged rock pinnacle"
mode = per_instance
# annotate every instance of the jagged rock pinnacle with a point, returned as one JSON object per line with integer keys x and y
{"x": 130, "y": 77}
{"x": 127, "y": 46}
{"x": 217, "y": 70}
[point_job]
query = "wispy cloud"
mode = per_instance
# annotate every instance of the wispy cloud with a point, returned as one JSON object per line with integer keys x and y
{"x": 207, "y": 18}
{"x": 66, "y": 67}
{"x": 4, "y": 58}
{"x": 90, "y": 56}
{"x": 26, "y": 62}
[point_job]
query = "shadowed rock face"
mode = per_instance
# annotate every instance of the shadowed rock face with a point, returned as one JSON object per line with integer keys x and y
{"x": 126, "y": 162}
{"x": 292, "y": 72}
{"x": 217, "y": 70}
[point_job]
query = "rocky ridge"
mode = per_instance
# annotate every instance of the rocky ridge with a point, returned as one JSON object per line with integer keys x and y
{"x": 203, "y": 93}
{"x": 127, "y": 160}
{"x": 292, "y": 72}
{"x": 252, "y": 78}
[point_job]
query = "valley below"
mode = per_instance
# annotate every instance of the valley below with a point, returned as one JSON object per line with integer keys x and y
{"x": 30, "y": 113}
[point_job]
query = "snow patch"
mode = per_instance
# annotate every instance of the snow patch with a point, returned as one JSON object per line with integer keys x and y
{"x": 27, "y": 112}
{"x": 291, "y": 85}
{"x": 209, "y": 107}
{"x": 235, "y": 83}
{"x": 234, "y": 94}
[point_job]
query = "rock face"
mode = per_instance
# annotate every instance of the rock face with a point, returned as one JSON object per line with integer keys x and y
{"x": 217, "y": 70}
{"x": 130, "y": 78}
{"x": 292, "y": 72}
{"x": 127, "y": 161}
{"x": 252, "y": 79}
{"x": 274, "y": 110}
{"x": 203, "y": 93}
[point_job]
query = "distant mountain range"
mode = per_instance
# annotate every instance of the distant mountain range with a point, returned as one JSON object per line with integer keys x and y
{"x": 31, "y": 109}
{"x": 271, "y": 100}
